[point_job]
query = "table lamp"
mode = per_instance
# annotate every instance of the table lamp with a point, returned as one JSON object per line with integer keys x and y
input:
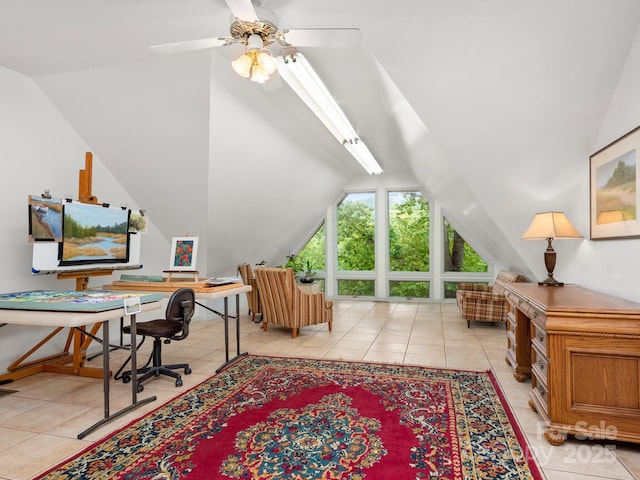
{"x": 550, "y": 225}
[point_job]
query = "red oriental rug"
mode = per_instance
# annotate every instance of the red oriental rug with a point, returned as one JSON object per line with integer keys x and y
{"x": 298, "y": 419}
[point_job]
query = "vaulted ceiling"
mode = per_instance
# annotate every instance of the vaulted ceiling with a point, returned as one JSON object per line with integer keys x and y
{"x": 491, "y": 106}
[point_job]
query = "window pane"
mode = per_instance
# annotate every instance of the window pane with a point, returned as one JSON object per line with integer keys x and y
{"x": 357, "y": 288}
{"x": 313, "y": 252}
{"x": 408, "y": 232}
{"x": 458, "y": 255}
{"x": 356, "y": 232}
{"x": 398, "y": 288}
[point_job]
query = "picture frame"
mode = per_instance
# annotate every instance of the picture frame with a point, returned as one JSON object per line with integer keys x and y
{"x": 132, "y": 306}
{"x": 45, "y": 219}
{"x": 184, "y": 252}
{"x": 93, "y": 234}
{"x": 613, "y": 180}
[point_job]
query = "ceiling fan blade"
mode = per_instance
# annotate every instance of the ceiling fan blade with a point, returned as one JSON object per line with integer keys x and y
{"x": 189, "y": 45}
{"x": 323, "y": 37}
{"x": 243, "y": 10}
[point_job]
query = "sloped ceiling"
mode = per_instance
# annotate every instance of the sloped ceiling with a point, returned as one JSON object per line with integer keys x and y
{"x": 492, "y": 106}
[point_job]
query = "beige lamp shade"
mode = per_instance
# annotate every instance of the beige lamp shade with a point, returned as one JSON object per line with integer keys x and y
{"x": 547, "y": 226}
{"x": 550, "y": 225}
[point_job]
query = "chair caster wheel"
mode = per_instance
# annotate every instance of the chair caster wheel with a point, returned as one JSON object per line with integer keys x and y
{"x": 187, "y": 371}
{"x": 126, "y": 378}
{"x": 140, "y": 388}
{"x": 179, "y": 382}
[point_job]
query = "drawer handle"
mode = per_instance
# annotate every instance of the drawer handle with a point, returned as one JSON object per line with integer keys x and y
{"x": 541, "y": 363}
{"x": 541, "y": 336}
{"x": 541, "y": 390}
{"x": 535, "y": 314}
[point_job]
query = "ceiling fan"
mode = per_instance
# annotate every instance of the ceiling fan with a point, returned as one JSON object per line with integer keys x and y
{"x": 251, "y": 19}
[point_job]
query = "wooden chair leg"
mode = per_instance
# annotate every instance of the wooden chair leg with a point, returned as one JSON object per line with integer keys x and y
{"x": 294, "y": 333}
{"x": 264, "y": 326}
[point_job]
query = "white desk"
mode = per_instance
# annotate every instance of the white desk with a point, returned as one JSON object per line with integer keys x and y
{"x": 201, "y": 293}
{"x": 81, "y": 319}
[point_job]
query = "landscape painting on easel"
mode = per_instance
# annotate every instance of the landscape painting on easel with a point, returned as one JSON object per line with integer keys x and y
{"x": 45, "y": 219}
{"x": 94, "y": 234}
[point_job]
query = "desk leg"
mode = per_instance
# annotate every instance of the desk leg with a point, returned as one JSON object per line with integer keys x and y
{"x": 106, "y": 378}
{"x": 226, "y": 334}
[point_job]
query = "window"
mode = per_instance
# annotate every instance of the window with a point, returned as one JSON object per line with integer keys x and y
{"x": 357, "y": 288}
{"x": 408, "y": 289}
{"x": 408, "y": 232}
{"x": 385, "y": 244}
{"x": 356, "y": 232}
{"x": 313, "y": 251}
{"x": 458, "y": 255}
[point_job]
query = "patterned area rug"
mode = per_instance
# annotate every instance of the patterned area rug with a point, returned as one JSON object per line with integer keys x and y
{"x": 278, "y": 418}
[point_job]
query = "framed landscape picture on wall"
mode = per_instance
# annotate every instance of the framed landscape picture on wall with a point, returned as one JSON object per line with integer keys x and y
{"x": 613, "y": 192}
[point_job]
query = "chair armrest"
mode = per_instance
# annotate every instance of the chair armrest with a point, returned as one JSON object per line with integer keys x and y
{"x": 311, "y": 308}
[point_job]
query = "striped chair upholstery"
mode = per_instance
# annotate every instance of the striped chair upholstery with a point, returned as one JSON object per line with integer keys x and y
{"x": 253, "y": 297}
{"x": 284, "y": 304}
{"x": 484, "y": 303}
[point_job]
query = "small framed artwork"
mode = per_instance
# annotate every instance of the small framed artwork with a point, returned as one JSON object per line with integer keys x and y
{"x": 132, "y": 306}
{"x": 45, "y": 219}
{"x": 137, "y": 222}
{"x": 184, "y": 251}
{"x": 613, "y": 195}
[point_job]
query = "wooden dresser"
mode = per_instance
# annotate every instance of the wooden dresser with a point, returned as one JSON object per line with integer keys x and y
{"x": 582, "y": 350}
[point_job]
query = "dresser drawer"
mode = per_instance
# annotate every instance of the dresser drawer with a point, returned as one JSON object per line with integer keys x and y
{"x": 537, "y": 317}
{"x": 540, "y": 397}
{"x": 511, "y": 323}
{"x": 539, "y": 339}
{"x": 539, "y": 389}
{"x": 539, "y": 364}
{"x": 511, "y": 345}
{"x": 512, "y": 298}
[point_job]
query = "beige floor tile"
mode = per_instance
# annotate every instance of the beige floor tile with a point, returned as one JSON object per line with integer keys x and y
{"x": 26, "y": 459}
{"x": 12, "y": 436}
{"x": 384, "y": 356}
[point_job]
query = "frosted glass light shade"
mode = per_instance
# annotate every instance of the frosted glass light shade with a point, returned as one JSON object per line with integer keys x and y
{"x": 267, "y": 63}
{"x": 242, "y": 65}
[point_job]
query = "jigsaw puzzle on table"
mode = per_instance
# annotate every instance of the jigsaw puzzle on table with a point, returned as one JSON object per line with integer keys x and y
{"x": 72, "y": 300}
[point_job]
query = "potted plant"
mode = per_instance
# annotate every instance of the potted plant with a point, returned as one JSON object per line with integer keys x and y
{"x": 308, "y": 273}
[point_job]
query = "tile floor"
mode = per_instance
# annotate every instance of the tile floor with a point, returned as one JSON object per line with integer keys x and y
{"x": 39, "y": 423}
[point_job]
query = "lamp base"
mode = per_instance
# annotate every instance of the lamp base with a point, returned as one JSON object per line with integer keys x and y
{"x": 551, "y": 282}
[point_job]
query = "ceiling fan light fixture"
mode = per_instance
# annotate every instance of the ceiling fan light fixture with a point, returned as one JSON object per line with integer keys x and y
{"x": 257, "y": 63}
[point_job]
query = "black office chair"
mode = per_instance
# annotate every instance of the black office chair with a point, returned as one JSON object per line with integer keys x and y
{"x": 180, "y": 309}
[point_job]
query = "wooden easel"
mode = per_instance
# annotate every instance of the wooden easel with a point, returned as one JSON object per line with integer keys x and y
{"x": 76, "y": 337}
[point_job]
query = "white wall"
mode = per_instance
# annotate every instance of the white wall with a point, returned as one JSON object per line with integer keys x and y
{"x": 610, "y": 266}
{"x": 39, "y": 150}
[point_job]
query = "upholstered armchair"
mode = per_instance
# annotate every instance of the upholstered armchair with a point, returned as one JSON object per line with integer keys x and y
{"x": 284, "y": 304}
{"x": 253, "y": 297}
{"x": 484, "y": 303}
